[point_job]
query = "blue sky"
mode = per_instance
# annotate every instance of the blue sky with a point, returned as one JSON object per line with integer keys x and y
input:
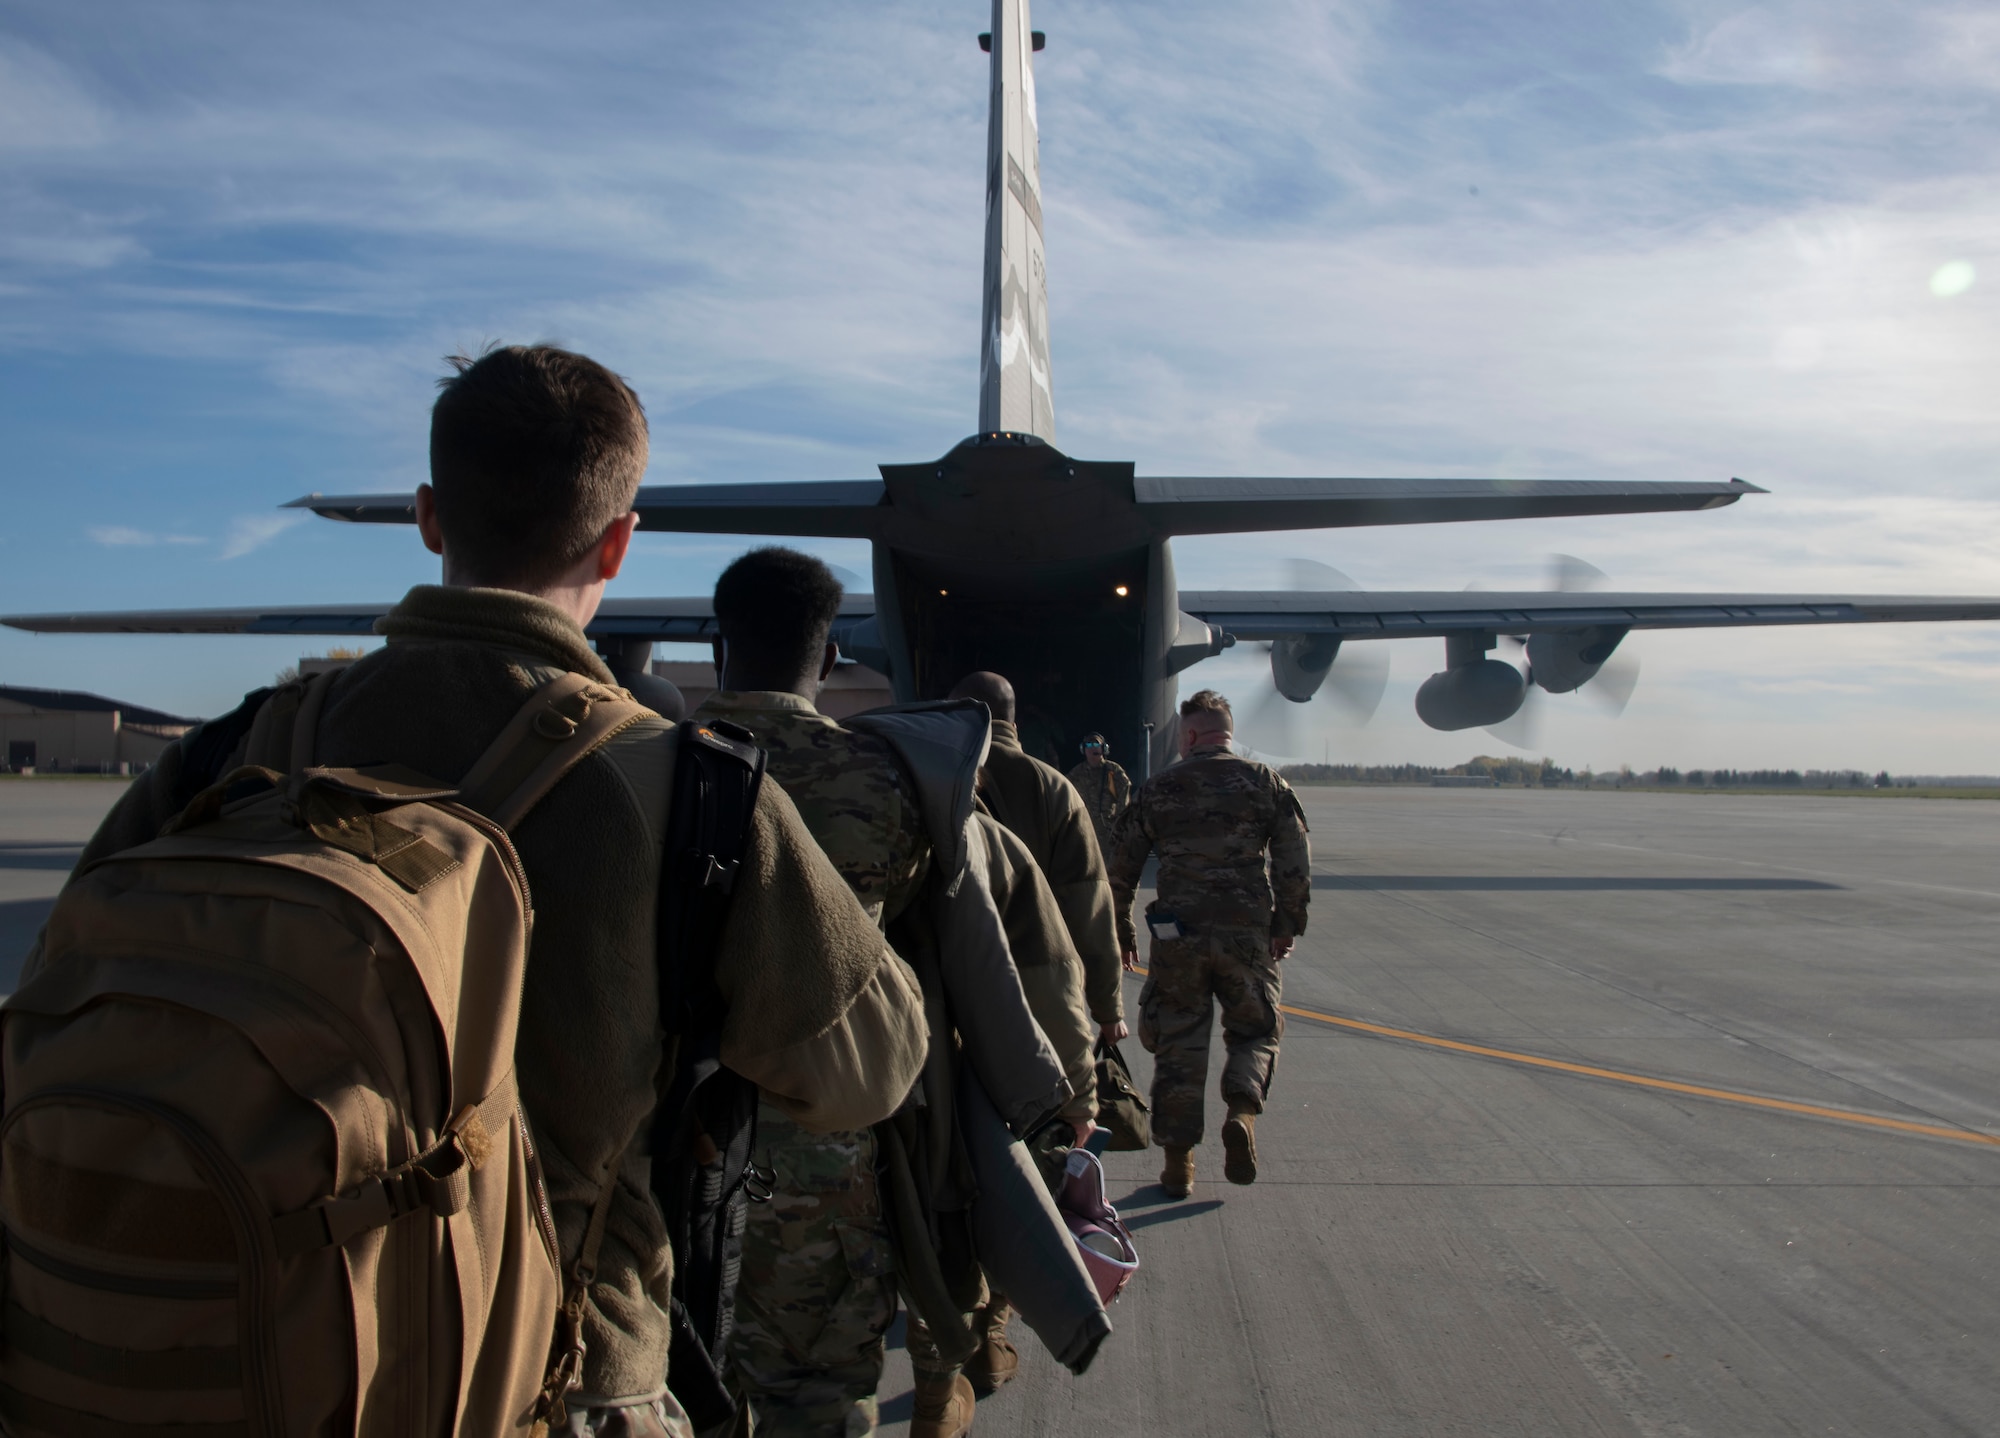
{"x": 1648, "y": 241}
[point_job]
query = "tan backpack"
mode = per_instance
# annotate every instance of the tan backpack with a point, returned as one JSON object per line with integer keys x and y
{"x": 263, "y": 1168}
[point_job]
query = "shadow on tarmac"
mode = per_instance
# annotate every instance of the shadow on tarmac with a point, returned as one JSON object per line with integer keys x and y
{"x": 1181, "y": 1209}
{"x": 896, "y": 1408}
{"x": 1560, "y": 883}
{"x": 899, "y": 1409}
{"x": 59, "y": 858}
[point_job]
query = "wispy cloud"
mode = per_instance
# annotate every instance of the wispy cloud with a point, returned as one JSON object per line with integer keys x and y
{"x": 248, "y": 533}
{"x": 124, "y": 536}
{"x": 1692, "y": 239}
{"x": 1849, "y": 44}
{"x": 43, "y": 104}
{"x": 118, "y": 534}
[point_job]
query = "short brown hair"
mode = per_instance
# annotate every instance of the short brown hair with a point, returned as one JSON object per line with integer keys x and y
{"x": 534, "y": 452}
{"x": 1207, "y": 701}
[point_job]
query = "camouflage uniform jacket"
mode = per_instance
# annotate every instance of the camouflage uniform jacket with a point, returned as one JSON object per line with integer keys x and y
{"x": 1106, "y": 791}
{"x": 862, "y": 803}
{"x": 1041, "y": 808}
{"x": 1210, "y": 819}
{"x": 849, "y": 789}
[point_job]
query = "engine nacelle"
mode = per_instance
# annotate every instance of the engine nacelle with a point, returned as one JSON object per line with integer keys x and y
{"x": 1564, "y": 660}
{"x": 861, "y": 641}
{"x": 1301, "y": 662}
{"x": 1472, "y": 695}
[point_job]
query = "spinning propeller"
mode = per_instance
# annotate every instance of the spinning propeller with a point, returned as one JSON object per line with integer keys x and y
{"x": 1305, "y": 665}
{"x": 1556, "y": 664}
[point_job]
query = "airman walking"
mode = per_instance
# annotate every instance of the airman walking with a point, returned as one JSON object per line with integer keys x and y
{"x": 1032, "y": 799}
{"x": 824, "y": 1258}
{"x": 1221, "y": 925}
{"x": 818, "y": 1284}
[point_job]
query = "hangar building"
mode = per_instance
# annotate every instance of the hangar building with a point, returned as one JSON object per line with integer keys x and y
{"x": 62, "y": 731}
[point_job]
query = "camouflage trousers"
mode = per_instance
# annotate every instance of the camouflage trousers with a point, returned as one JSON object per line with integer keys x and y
{"x": 1186, "y": 978}
{"x": 818, "y": 1291}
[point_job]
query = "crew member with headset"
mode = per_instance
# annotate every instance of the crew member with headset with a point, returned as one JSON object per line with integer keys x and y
{"x": 1105, "y": 787}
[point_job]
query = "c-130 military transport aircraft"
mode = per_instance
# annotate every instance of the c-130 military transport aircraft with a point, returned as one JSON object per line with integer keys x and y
{"x": 1007, "y": 554}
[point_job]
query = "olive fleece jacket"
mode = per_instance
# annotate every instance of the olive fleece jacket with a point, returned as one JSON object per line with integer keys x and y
{"x": 1051, "y": 973}
{"x": 822, "y": 1016}
{"x": 1045, "y": 812}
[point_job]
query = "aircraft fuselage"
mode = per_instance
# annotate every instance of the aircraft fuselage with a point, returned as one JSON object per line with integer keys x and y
{"x": 1008, "y": 555}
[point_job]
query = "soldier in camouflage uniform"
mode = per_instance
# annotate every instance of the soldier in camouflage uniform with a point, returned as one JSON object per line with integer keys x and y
{"x": 817, "y": 1291}
{"x": 1217, "y": 932}
{"x": 1105, "y": 787}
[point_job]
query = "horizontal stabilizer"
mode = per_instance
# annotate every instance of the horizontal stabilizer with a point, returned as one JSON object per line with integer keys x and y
{"x": 1240, "y": 506}
{"x": 688, "y": 619}
{"x": 814, "y": 509}
{"x": 858, "y": 508}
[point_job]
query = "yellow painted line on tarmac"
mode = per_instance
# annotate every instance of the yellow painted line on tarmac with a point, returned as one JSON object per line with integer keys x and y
{"x": 1781, "y": 1105}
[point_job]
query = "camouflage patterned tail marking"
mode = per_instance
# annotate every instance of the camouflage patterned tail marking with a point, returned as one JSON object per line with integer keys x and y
{"x": 1014, "y": 391}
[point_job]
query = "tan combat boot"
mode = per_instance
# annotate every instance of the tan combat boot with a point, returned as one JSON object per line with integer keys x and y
{"x": 944, "y": 1406}
{"x": 997, "y": 1359}
{"x": 1239, "y": 1146}
{"x": 1177, "y": 1178}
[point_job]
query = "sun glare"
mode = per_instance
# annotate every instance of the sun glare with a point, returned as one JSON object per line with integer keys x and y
{"x": 1954, "y": 278}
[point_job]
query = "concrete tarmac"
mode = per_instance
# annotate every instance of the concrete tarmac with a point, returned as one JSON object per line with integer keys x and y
{"x": 1449, "y": 1243}
{"x": 1441, "y": 1243}
{"x": 44, "y": 822}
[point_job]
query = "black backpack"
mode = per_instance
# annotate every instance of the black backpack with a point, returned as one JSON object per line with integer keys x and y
{"x": 706, "y": 1126}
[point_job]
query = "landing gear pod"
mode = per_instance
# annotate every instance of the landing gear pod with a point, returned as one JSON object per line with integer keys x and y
{"x": 1471, "y": 696}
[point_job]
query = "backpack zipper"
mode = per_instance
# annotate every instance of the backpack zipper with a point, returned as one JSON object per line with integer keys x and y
{"x": 545, "y": 1219}
{"x": 138, "y": 1285}
{"x": 305, "y": 997}
{"x": 500, "y": 837}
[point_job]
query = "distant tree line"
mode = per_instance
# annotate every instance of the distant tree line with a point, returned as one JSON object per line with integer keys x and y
{"x": 1525, "y": 772}
{"x": 1363, "y": 773}
{"x": 1547, "y": 774}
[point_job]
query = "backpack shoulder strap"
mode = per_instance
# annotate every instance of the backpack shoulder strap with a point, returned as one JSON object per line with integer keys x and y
{"x": 705, "y": 1127}
{"x": 717, "y": 776}
{"x": 562, "y": 723}
{"x": 208, "y": 750}
{"x": 284, "y": 728}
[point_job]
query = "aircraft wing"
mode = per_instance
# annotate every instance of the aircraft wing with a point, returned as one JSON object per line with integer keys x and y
{"x": 292, "y": 619}
{"x": 1245, "y": 613}
{"x": 1411, "y": 614}
{"x": 688, "y": 620}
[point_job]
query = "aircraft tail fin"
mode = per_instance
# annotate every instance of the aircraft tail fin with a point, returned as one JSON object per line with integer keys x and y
{"x": 1014, "y": 388}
